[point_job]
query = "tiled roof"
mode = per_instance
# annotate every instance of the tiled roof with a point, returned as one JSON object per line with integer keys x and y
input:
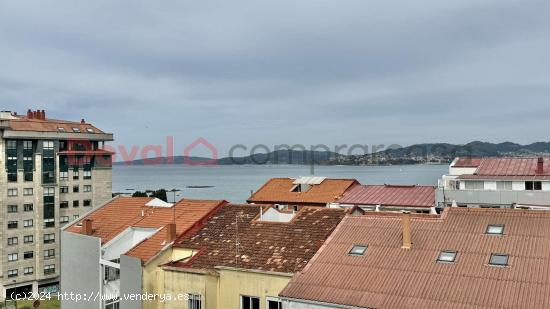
{"x": 278, "y": 190}
{"x": 509, "y": 168}
{"x": 387, "y": 276}
{"x": 267, "y": 246}
{"x": 50, "y": 125}
{"x": 124, "y": 212}
{"x": 390, "y": 195}
{"x": 467, "y": 162}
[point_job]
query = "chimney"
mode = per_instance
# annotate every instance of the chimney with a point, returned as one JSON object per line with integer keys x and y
{"x": 406, "y": 219}
{"x": 82, "y": 121}
{"x": 29, "y": 114}
{"x": 170, "y": 232}
{"x": 43, "y": 115}
{"x": 87, "y": 226}
{"x": 540, "y": 166}
{"x": 34, "y": 115}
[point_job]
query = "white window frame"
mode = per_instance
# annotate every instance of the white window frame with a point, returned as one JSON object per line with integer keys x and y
{"x": 28, "y": 223}
{"x": 28, "y": 270}
{"x": 12, "y": 192}
{"x": 28, "y": 191}
{"x": 13, "y": 257}
{"x": 250, "y": 297}
{"x": 192, "y": 299}
{"x": 275, "y": 300}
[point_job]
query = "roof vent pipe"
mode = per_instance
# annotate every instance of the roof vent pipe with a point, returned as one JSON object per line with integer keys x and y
{"x": 406, "y": 221}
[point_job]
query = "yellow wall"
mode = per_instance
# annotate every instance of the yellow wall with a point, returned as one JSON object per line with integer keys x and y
{"x": 154, "y": 277}
{"x": 234, "y": 283}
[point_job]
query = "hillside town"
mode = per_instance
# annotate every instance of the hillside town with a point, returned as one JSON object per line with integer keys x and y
{"x": 479, "y": 239}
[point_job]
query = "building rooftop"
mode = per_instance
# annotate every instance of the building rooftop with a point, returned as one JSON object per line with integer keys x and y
{"x": 509, "y": 168}
{"x": 122, "y": 213}
{"x": 390, "y": 195}
{"x": 448, "y": 265}
{"x": 316, "y": 190}
{"x": 267, "y": 246}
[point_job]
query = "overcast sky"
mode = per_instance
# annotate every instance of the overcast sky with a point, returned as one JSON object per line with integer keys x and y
{"x": 284, "y": 71}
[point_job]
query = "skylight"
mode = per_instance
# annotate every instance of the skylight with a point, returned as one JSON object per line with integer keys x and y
{"x": 90, "y": 130}
{"x": 447, "y": 257}
{"x": 358, "y": 250}
{"x": 61, "y": 129}
{"x": 495, "y": 229}
{"x": 498, "y": 259}
{"x": 76, "y": 130}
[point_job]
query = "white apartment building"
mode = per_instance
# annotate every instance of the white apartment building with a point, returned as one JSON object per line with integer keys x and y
{"x": 509, "y": 182}
{"x": 54, "y": 171}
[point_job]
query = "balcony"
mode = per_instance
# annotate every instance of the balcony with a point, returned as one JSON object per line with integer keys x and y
{"x": 492, "y": 197}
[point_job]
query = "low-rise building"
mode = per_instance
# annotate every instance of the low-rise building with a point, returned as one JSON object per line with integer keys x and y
{"x": 292, "y": 194}
{"x": 244, "y": 256}
{"x": 509, "y": 182}
{"x": 467, "y": 258}
{"x": 413, "y": 198}
{"x": 105, "y": 253}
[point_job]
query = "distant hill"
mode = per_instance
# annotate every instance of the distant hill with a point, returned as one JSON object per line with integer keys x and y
{"x": 414, "y": 154}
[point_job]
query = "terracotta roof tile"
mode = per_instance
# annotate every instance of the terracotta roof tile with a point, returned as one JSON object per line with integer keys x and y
{"x": 387, "y": 276}
{"x": 278, "y": 191}
{"x": 50, "y": 125}
{"x": 268, "y": 246}
{"x": 124, "y": 212}
{"x": 390, "y": 195}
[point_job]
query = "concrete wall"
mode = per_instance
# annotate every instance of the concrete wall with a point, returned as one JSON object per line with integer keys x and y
{"x": 176, "y": 282}
{"x": 80, "y": 273}
{"x": 130, "y": 281}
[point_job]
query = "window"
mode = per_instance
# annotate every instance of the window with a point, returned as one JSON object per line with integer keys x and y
{"x": 64, "y": 189}
{"x": 533, "y": 185}
{"x": 49, "y": 191}
{"x": 504, "y": 185}
{"x": 28, "y": 270}
{"x": 12, "y": 224}
{"x": 249, "y": 302}
{"x": 194, "y": 301}
{"x": 87, "y": 174}
{"x": 27, "y": 145}
{"x": 358, "y": 250}
{"x": 75, "y": 175}
{"x": 75, "y": 217}
{"x": 28, "y": 255}
{"x": 76, "y": 203}
{"x": 63, "y": 176}
{"x": 12, "y": 257}
{"x": 89, "y": 130}
{"x": 498, "y": 259}
{"x": 87, "y": 188}
{"x": 87, "y": 203}
{"x": 47, "y": 145}
{"x": 12, "y": 145}
{"x": 112, "y": 304}
{"x": 27, "y": 191}
{"x": 495, "y": 229}
{"x": 49, "y": 222}
{"x": 28, "y": 207}
{"x": 446, "y": 257}
{"x": 63, "y": 219}
{"x": 274, "y": 303}
{"x": 28, "y": 239}
{"x": 49, "y": 238}
{"x": 474, "y": 185}
{"x": 13, "y": 241}
{"x": 12, "y": 208}
{"x": 64, "y": 204}
{"x": 49, "y": 269}
{"x": 28, "y": 223}
{"x": 76, "y": 130}
{"x": 49, "y": 254}
{"x": 12, "y": 273}
{"x": 60, "y": 129}
{"x": 76, "y": 189}
{"x": 12, "y": 192}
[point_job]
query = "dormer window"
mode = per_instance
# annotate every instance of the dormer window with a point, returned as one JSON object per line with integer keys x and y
{"x": 495, "y": 229}
{"x": 76, "y": 130}
{"x": 60, "y": 129}
{"x": 498, "y": 259}
{"x": 301, "y": 188}
{"x": 446, "y": 256}
{"x": 358, "y": 250}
